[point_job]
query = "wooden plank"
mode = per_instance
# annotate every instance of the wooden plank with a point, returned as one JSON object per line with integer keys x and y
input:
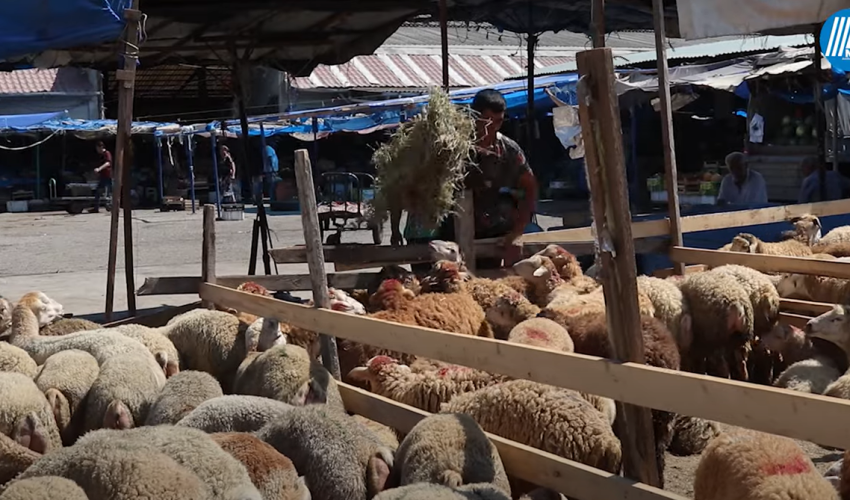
{"x": 208, "y": 249}
{"x": 315, "y": 255}
{"x": 808, "y": 417}
{"x": 465, "y": 226}
{"x": 157, "y": 319}
{"x": 694, "y": 223}
{"x": 603, "y": 138}
{"x": 794, "y": 320}
{"x": 570, "y": 478}
{"x": 805, "y": 306}
{"x": 666, "y": 273}
{"x": 761, "y": 262}
{"x": 170, "y": 285}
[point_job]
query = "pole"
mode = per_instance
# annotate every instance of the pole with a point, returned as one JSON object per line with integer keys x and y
{"x": 835, "y": 132}
{"x": 158, "y": 143}
{"x": 37, "y": 169}
{"x": 603, "y": 139}
{"x": 208, "y": 250}
{"x": 820, "y": 114}
{"x": 315, "y": 253}
{"x": 597, "y": 19}
{"x": 667, "y": 136}
{"x": 127, "y": 205}
{"x": 444, "y": 42}
{"x": 213, "y": 146}
{"x": 465, "y": 228}
{"x": 190, "y": 159}
{"x": 529, "y": 104}
{"x": 126, "y": 77}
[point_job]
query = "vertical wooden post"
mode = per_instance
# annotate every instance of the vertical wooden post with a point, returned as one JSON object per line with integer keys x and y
{"x": 315, "y": 253}
{"x": 465, "y": 228}
{"x": 126, "y": 78}
{"x": 597, "y": 19}
{"x": 602, "y": 134}
{"x": 667, "y": 136}
{"x": 444, "y": 42}
{"x": 127, "y": 202}
{"x": 208, "y": 250}
{"x": 531, "y": 122}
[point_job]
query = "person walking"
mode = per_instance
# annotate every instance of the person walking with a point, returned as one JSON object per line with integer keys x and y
{"x": 227, "y": 193}
{"x": 104, "y": 172}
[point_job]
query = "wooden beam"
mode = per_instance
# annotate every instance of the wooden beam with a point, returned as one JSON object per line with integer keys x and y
{"x": 570, "y": 478}
{"x": 208, "y": 249}
{"x": 797, "y": 320}
{"x": 667, "y": 136}
{"x": 695, "y": 223}
{"x": 315, "y": 255}
{"x": 170, "y": 285}
{"x": 761, "y": 262}
{"x": 603, "y": 138}
{"x": 156, "y": 319}
{"x": 807, "y": 417}
{"x": 666, "y": 273}
{"x": 183, "y": 285}
{"x": 805, "y": 306}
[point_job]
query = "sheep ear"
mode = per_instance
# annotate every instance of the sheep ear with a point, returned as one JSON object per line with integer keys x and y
{"x": 30, "y": 434}
{"x": 60, "y": 407}
{"x": 540, "y": 271}
{"x": 377, "y": 475}
{"x": 300, "y": 397}
{"x": 117, "y": 416}
{"x": 172, "y": 368}
{"x": 360, "y": 374}
{"x": 301, "y": 485}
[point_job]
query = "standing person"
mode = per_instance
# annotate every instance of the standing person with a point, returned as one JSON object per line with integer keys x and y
{"x": 503, "y": 185}
{"x": 104, "y": 172}
{"x": 742, "y": 186}
{"x": 227, "y": 193}
{"x": 836, "y": 186}
{"x": 270, "y": 168}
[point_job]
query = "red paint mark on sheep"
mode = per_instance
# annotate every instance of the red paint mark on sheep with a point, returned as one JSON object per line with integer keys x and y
{"x": 339, "y": 306}
{"x": 534, "y": 333}
{"x": 380, "y": 361}
{"x": 796, "y": 465}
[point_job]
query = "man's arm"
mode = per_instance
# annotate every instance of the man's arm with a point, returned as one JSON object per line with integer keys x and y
{"x": 723, "y": 196}
{"x": 761, "y": 193}
{"x": 525, "y": 207}
{"x": 806, "y": 191}
{"x": 395, "y": 223}
{"x": 106, "y": 163}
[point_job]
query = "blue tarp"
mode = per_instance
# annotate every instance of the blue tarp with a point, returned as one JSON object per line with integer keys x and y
{"x": 382, "y": 114}
{"x": 19, "y": 122}
{"x": 31, "y": 27}
{"x": 59, "y": 121}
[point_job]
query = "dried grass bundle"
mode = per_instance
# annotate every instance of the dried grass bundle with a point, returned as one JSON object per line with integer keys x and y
{"x": 425, "y": 161}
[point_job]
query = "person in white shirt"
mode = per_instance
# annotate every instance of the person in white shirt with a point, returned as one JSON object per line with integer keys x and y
{"x": 742, "y": 186}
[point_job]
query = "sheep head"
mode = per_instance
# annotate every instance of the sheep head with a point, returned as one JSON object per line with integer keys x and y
{"x": 445, "y": 250}
{"x": 263, "y": 334}
{"x": 807, "y": 229}
{"x": 445, "y": 277}
{"x": 370, "y": 373}
{"x": 508, "y": 311}
{"x": 390, "y": 295}
{"x": 5, "y": 314}
{"x": 791, "y": 286}
{"x": 745, "y": 243}
{"x": 538, "y": 269}
{"x": 251, "y": 287}
{"x": 342, "y": 302}
{"x": 780, "y": 336}
{"x": 407, "y": 278}
{"x": 833, "y": 326}
{"x": 566, "y": 263}
{"x": 45, "y": 309}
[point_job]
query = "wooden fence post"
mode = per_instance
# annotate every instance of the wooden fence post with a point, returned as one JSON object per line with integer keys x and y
{"x": 602, "y": 134}
{"x": 315, "y": 253}
{"x": 465, "y": 228}
{"x": 208, "y": 250}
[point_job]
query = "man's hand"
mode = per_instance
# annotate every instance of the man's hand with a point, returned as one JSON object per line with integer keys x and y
{"x": 512, "y": 248}
{"x": 396, "y": 239}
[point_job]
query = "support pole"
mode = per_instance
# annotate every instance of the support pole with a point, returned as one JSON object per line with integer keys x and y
{"x": 465, "y": 228}
{"x": 444, "y": 42}
{"x": 190, "y": 159}
{"x": 214, "y": 148}
{"x": 602, "y": 134}
{"x": 597, "y": 19}
{"x": 127, "y": 205}
{"x": 667, "y": 136}
{"x": 158, "y": 143}
{"x": 208, "y": 251}
{"x": 529, "y": 104}
{"x": 126, "y": 77}
{"x": 835, "y": 126}
{"x": 315, "y": 253}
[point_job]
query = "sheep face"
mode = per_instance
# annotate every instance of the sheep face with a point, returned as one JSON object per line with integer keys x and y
{"x": 567, "y": 264}
{"x": 791, "y": 286}
{"x": 745, "y": 243}
{"x": 833, "y": 326}
{"x": 370, "y": 372}
{"x": 808, "y": 228}
{"x": 391, "y": 293}
{"x": 341, "y": 301}
{"x": 533, "y": 269}
{"x": 45, "y": 309}
{"x": 407, "y": 278}
{"x": 445, "y": 277}
{"x": 778, "y": 336}
{"x": 445, "y": 250}
{"x": 5, "y": 315}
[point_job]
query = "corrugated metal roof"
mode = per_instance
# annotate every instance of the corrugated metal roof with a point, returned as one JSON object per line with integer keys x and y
{"x": 737, "y": 45}
{"x": 30, "y": 81}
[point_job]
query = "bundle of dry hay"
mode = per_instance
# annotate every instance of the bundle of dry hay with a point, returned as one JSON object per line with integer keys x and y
{"x": 425, "y": 161}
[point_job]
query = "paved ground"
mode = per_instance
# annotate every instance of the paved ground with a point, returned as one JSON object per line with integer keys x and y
{"x": 65, "y": 255}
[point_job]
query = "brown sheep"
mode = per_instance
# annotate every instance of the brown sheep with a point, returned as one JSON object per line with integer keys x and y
{"x": 748, "y": 243}
{"x": 569, "y": 268}
{"x": 838, "y": 250}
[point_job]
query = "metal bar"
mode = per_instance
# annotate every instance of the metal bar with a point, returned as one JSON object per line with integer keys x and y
{"x": 213, "y": 146}
{"x": 444, "y": 42}
{"x": 158, "y": 143}
{"x": 529, "y": 104}
{"x": 191, "y": 161}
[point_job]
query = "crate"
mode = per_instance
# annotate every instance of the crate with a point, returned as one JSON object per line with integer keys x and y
{"x": 17, "y": 206}
{"x": 232, "y": 211}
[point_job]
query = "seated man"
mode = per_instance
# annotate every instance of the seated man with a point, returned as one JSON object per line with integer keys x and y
{"x": 741, "y": 186}
{"x": 836, "y": 186}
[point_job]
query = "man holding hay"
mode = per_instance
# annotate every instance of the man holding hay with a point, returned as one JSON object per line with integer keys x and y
{"x": 503, "y": 185}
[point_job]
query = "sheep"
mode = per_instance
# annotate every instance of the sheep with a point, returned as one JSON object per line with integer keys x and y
{"x": 816, "y": 288}
{"x": 840, "y": 388}
{"x": 833, "y": 250}
{"x": 26, "y": 445}
{"x": 839, "y": 234}
{"x": 107, "y": 471}
{"x": 691, "y": 435}
{"x": 508, "y": 311}
{"x": 195, "y": 450}
{"x": 234, "y": 413}
{"x": 287, "y": 373}
{"x": 833, "y": 327}
{"x": 542, "y": 332}
{"x": 15, "y": 359}
{"x": 22, "y": 400}
{"x": 181, "y": 395}
{"x": 748, "y": 243}
{"x": 163, "y": 350}
{"x": 763, "y": 295}
{"x": 66, "y": 379}
{"x": 64, "y": 326}
{"x": 812, "y": 375}
{"x": 340, "y": 459}
{"x": 450, "y": 251}
{"x": 426, "y": 391}
{"x": 838, "y": 476}
{"x": 273, "y": 474}
{"x": 449, "y": 449}
{"x": 554, "y": 420}
{"x": 569, "y": 268}
{"x": 807, "y": 229}
{"x": 748, "y": 465}
{"x": 428, "y": 491}
{"x": 670, "y": 307}
{"x": 5, "y": 316}
{"x": 387, "y": 436}
{"x": 722, "y": 315}
{"x": 44, "y": 487}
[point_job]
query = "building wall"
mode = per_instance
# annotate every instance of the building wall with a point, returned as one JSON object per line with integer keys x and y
{"x": 84, "y": 107}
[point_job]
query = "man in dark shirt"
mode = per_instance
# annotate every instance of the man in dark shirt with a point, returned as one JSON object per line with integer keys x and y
{"x": 104, "y": 172}
{"x": 503, "y": 185}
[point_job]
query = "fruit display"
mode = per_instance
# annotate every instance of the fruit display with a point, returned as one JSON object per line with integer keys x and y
{"x": 700, "y": 188}
{"x": 797, "y": 131}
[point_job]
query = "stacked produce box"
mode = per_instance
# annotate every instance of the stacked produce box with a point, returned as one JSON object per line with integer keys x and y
{"x": 694, "y": 188}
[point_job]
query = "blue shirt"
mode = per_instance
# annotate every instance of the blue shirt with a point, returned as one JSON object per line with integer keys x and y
{"x": 836, "y": 187}
{"x": 752, "y": 191}
{"x": 271, "y": 165}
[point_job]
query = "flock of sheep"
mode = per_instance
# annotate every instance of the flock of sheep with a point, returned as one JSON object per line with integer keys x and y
{"x": 220, "y": 404}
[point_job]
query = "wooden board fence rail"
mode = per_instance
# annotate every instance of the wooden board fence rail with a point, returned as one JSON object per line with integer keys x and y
{"x": 694, "y": 223}
{"x": 570, "y": 478}
{"x": 804, "y": 306}
{"x": 812, "y": 418}
{"x": 180, "y": 285}
{"x": 761, "y": 262}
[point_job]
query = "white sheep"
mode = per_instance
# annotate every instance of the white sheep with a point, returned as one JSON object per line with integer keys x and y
{"x": 5, "y": 316}
{"x": 748, "y": 243}
{"x": 44, "y": 487}
{"x": 66, "y": 379}
{"x": 25, "y": 447}
{"x": 22, "y": 398}
{"x": 163, "y": 350}
{"x": 840, "y": 388}
{"x": 15, "y": 359}
{"x": 429, "y": 491}
{"x": 811, "y": 375}
{"x": 234, "y": 414}
{"x": 182, "y": 394}
{"x": 670, "y": 307}
{"x": 832, "y": 326}
{"x": 840, "y": 234}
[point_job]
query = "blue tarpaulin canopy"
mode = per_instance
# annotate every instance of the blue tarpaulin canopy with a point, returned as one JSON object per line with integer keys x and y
{"x": 33, "y": 27}
{"x": 59, "y": 122}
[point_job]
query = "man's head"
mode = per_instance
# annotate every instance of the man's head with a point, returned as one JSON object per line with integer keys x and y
{"x": 737, "y": 164}
{"x": 222, "y": 150}
{"x": 490, "y": 107}
{"x": 809, "y": 165}
{"x": 100, "y": 147}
